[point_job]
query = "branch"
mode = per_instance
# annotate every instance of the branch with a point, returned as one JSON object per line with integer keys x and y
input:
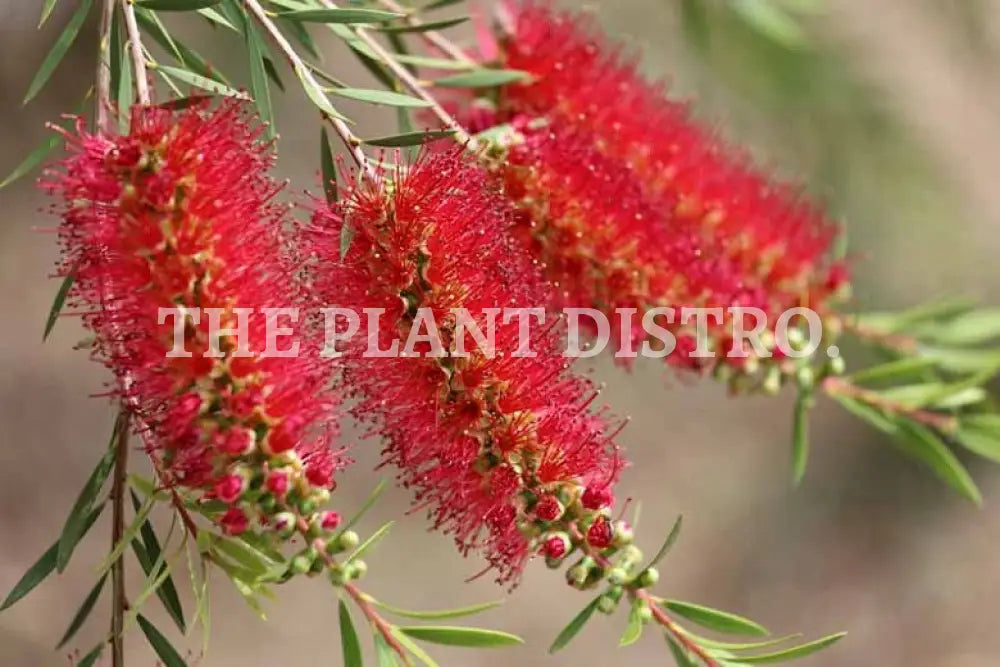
{"x": 138, "y": 59}
{"x": 668, "y": 624}
{"x": 103, "y": 85}
{"x": 118, "y": 601}
{"x": 351, "y": 142}
{"x": 432, "y": 37}
{"x": 411, "y": 83}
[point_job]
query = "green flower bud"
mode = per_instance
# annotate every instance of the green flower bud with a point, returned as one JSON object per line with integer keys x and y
{"x": 645, "y": 613}
{"x": 617, "y": 576}
{"x": 649, "y": 577}
{"x": 805, "y": 377}
{"x": 607, "y": 605}
{"x": 357, "y": 569}
{"x": 348, "y": 540}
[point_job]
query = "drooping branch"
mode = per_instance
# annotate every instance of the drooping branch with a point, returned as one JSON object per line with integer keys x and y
{"x": 138, "y": 57}
{"x": 432, "y": 37}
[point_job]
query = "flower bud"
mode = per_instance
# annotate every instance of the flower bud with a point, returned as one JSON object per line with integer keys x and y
{"x": 607, "y": 604}
{"x": 238, "y": 442}
{"x": 303, "y": 562}
{"x": 329, "y": 520}
{"x": 600, "y": 534}
{"x": 805, "y": 377}
{"x": 277, "y": 482}
{"x": 357, "y": 569}
{"x": 648, "y": 577}
{"x": 617, "y": 576}
{"x": 623, "y": 534}
{"x": 234, "y": 521}
{"x": 597, "y": 498}
{"x": 556, "y": 546}
{"x": 284, "y": 524}
{"x": 348, "y": 540}
{"x": 230, "y": 488}
{"x": 645, "y": 613}
{"x": 548, "y": 508}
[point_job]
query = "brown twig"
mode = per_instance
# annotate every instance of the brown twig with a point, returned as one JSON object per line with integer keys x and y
{"x": 118, "y": 600}
{"x": 675, "y": 630}
{"x": 351, "y": 142}
{"x": 432, "y": 37}
{"x": 103, "y": 83}
{"x": 135, "y": 48}
{"x": 895, "y": 341}
{"x": 838, "y": 386}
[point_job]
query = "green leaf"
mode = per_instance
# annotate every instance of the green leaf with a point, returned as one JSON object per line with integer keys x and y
{"x": 385, "y": 97}
{"x": 73, "y": 529}
{"x": 184, "y": 102}
{"x": 715, "y": 619}
{"x": 254, "y": 560}
{"x": 409, "y": 139}
{"x": 349, "y": 638}
{"x": 43, "y": 567}
{"x": 59, "y": 50}
{"x": 384, "y": 655}
{"x": 423, "y": 27}
{"x": 187, "y": 57}
{"x": 175, "y": 5}
{"x": 315, "y": 93}
{"x": 34, "y": 159}
{"x": 800, "y": 436}
{"x": 453, "y": 635}
{"x": 57, "y": 304}
{"x": 215, "y": 17}
{"x": 302, "y": 36}
{"x": 433, "y": 63}
{"x": 92, "y": 656}
{"x": 374, "y": 539}
{"x": 442, "y": 614}
{"x": 339, "y": 15}
{"x": 83, "y": 612}
{"x": 694, "y": 20}
{"x": 971, "y": 328}
{"x": 47, "y": 7}
{"x": 909, "y": 366}
{"x": 770, "y": 21}
{"x": 668, "y": 543}
{"x": 438, "y": 4}
{"x": 741, "y": 646}
{"x": 961, "y": 361}
{"x": 865, "y": 412}
{"x": 151, "y": 551}
{"x": 365, "y": 506}
{"x": 130, "y": 532}
{"x": 573, "y": 628}
{"x": 981, "y": 434}
{"x": 483, "y": 78}
{"x": 681, "y": 656}
{"x": 634, "y": 628}
{"x": 413, "y": 648}
{"x": 327, "y": 168}
{"x": 793, "y": 653}
{"x": 924, "y": 445}
{"x": 164, "y": 650}
{"x": 256, "y": 49}
{"x": 123, "y": 90}
{"x": 199, "y": 81}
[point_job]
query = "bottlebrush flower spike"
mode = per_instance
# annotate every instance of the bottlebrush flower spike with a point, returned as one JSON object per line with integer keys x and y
{"x": 180, "y": 213}
{"x": 483, "y": 440}
{"x": 610, "y": 164}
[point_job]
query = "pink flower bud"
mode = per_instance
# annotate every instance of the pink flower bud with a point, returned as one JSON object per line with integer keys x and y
{"x": 548, "y": 508}
{"x": 555, "y": 546}
{"x": 278, "y": 482}
{"x": 600, "y": 533}
{"x": 230, "y": 488}
{"x": 234, "y": 521}
{"x": 284, "y": 523}
{"x": 597, "y": 498}
{"x": 329, "y": 520}
{"x": 237, "y": 442}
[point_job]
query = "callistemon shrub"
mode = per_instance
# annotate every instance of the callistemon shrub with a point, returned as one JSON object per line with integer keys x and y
{"x": 630, "y": 203}
{"x": 180, "y": 214}
{"x": 502, "y": 446}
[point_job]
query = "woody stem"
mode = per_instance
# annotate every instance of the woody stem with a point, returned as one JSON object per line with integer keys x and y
{"x": 135, "y": 48}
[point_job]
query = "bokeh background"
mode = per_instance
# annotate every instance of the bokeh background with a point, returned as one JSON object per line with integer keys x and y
{"x": 888, "y": 110}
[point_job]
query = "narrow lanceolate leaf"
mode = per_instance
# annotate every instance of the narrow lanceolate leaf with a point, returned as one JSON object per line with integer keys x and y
{"x": 384, "y": 655}
{"x": 43, "y": 567}
{"x": 34, "y": 159}
{"x": 633, "y": 630}
{"x": 438, "y": 4}
{"x": 681, "y": 656}
{"x": 925, "y": 445}
{"x": 423, "y": 27}
{"x": 59, "y": 50}
{"x": 367, "y": 505}
{"x": 483, "y": 78}
{"x": 981, "y": 434}
{"x": 385, "y": 97}
{"x": 441, "y": 614}
{"x": 216, "y": 18}
{"x": 409, "y": 139}
{"x": 771, "y": 21}
{"x": 800, "y": 436}
{"x": 83, "y": 612}
{"x": 574, "y": 626}
{"x": 414, "y": 648}
{"x": 339, "y": 15}
{"x": 714, "y": 619}
{"x": 346, "y": 238}
{"x": 187, "y": 57}
{"x": 315, "y": 93}
{"x": 327, "y": 167}
{"x": 76, "y": 522}
{"x": 176, "y": 5}
{"x": 256, "y": 49}
{"x": 57, "y": 304}
{"x": 47, "y": 8}
{"x": 164, "y": 650}
{"x": 349, "y": 644}
{"x": 461, "y": 636}
{"x": 92, "y": 656}
{"x": 366, "y": 546}
{"x": 199, "y": 81}
{"x": 433, "y": 63}
{"x": 668, "y": 543}
{"x": 793, "y": 653}
{"x": 148, "y": 554}
{"x": 123, "y": 88}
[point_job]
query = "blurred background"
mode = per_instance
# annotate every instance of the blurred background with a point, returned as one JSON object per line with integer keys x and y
{"x": 887, "y": 111}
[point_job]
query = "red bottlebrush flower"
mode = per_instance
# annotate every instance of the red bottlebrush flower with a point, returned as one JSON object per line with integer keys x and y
{"x": 475, "y": 437}
{"x": 180, "y": 214}
{"x": 629, "y": 202}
